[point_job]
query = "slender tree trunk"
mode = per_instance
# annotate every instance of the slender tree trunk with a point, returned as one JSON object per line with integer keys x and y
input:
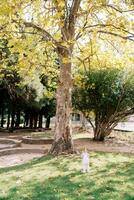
{"x": 40, "y": 120}
{"x": 63, "y": 140}
{"x": 17, "y": 123}
{"x": 31, "y": 120}
{"x": 2, "y": 117}
{"x": 8, "y": 118}
{"x": 35, "y": 120}
{"x": 26, "y": 119}
{"x": 83, "y": 120}
{"x": 48, "y": 122}
{"x": 12, "y": 120}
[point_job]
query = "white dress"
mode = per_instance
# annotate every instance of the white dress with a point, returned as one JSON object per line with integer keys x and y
{"x": 85, "y": 162}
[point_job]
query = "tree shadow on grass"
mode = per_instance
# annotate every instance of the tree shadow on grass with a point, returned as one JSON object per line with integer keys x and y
{"x": 121, "y": 169}
{"x": 53, "y": 161}
{"x": 115, "y": 176}
{"x": 73, "y": 186}
{"x": 127, "y": 170}
{"x": 55, "y": 188}
{"x": 62, "y": 163}
{"x": 65, "y": 187}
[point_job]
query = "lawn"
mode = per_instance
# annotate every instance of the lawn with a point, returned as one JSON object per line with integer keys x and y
{"x": 111, "y": 177}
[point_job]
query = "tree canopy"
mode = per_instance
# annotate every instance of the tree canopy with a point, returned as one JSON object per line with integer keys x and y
{"x": 108, "y": 95}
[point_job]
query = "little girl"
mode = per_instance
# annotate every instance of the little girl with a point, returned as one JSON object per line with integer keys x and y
{"x": 85, "y": 161}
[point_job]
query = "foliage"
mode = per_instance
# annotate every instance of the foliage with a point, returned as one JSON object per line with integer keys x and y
{"x": 48, "y": 107}
{"x": 108, "y": 93}
{"x": 17, "y": 92}
{"x": 34, "y": 29}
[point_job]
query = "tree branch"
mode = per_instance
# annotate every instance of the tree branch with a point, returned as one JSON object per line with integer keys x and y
{"x": 89, "y": 119}
{"x": 21, "y": 32}
{"x": 117, "y": 9}
{"x": 74, "y": 9}
{"x": 45, "y": 34}
{"x": 117, "y": 35}
{"x": 110, "y": 25}
{"x": 116, "y": 117}
{"x": 41, "y": 30}
{"x": 129, "y": 37}
{"x": 73, "y": 15}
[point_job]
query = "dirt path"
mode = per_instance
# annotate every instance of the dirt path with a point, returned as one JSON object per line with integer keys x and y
{"x": 118, "y": 143}
{"x": 80, "y": 144}
{"x": 104, "y": 147}
{"x": 15, "y": 159}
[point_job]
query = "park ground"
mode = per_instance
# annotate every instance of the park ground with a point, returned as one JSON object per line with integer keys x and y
{"x": 111, "y": 175}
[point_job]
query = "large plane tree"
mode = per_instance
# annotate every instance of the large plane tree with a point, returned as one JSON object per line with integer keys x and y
{"x": 63, "y": 27}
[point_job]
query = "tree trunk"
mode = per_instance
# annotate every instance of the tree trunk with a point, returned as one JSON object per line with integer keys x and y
{"x": 31, "y": 120}
{"x": 35, "y": 120}
{"x": 99, "y": 134}
{"x": 8, "y": 118}
{"x": 63, "y": 130}
{"x": 40, "y": 120}
{"x": 17, "y": 123}
{"x": 63, "y": 140}
{"x": 26, "y": 119}
{"x": 12, "y": 120}
{"x": 83, "y": 120}
{"x": 48, "y": 122}
{"x": 2, "y": 117}
{"x": 101, "y": 131}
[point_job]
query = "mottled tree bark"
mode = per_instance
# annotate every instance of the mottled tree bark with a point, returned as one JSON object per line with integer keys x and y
{"x": 63, "y": 130}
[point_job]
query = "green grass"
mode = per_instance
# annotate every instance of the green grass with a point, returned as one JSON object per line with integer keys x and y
{"x": 111, "y": 177}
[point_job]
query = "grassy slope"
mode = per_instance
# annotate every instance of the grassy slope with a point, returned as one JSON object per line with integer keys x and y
{"x": 111, "y": 177}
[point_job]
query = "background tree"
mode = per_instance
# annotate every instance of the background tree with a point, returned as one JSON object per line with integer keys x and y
{"x": 48, "y": 102}
{"x": 48, "y": 110}
{"x": 109, "y": 94}
{"x": 16, "y": 95}
{"x": 9, "y": 81}
{"x": 19, "y": 96}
